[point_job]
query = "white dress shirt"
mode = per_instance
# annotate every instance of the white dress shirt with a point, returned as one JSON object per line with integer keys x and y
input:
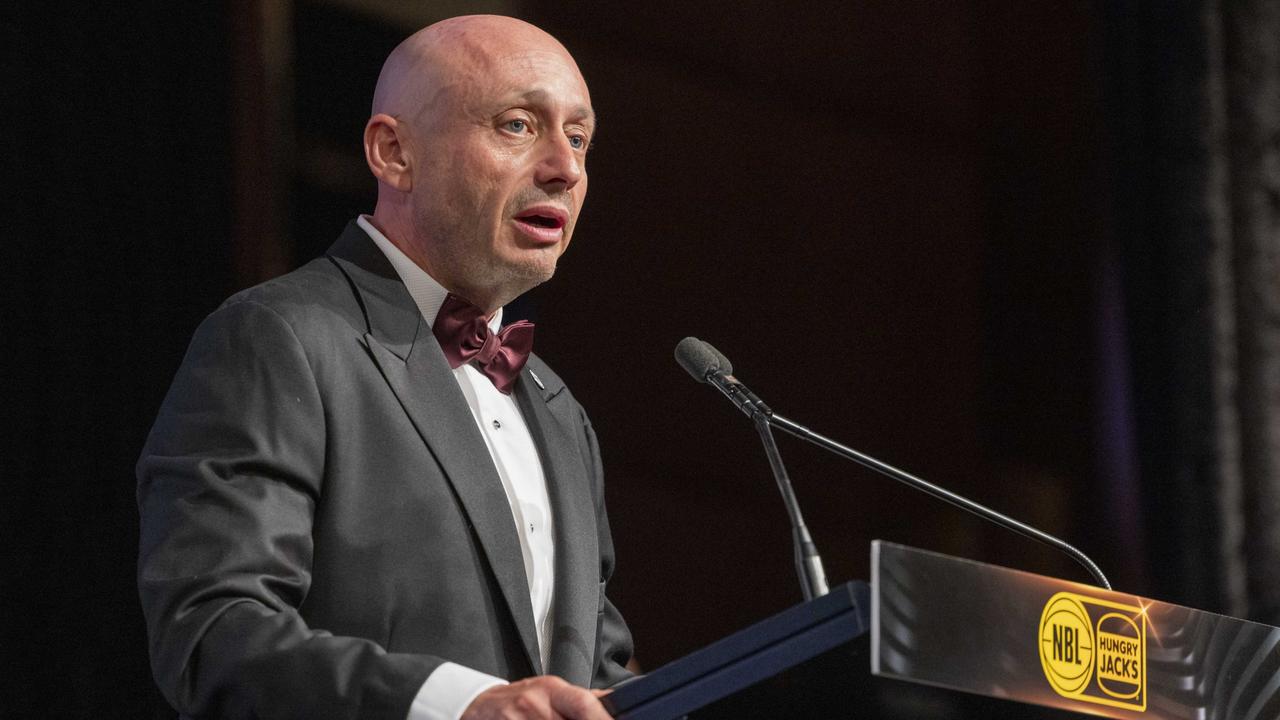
{"x": 451, "y": 687}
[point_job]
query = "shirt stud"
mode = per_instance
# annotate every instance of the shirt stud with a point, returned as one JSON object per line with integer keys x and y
{"x": 497, "y": 424}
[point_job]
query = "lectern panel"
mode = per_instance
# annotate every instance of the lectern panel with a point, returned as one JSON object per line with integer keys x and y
{"x": 990, "y": 630}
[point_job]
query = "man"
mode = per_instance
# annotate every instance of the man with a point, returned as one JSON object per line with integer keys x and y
{"x": 358, "y": 500}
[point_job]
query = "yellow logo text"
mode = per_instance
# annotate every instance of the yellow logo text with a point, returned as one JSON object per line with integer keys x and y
{"x": 1095, "y": 650}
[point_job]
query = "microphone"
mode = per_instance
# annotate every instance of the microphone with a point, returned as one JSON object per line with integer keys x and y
{"x": 708, "y": 365}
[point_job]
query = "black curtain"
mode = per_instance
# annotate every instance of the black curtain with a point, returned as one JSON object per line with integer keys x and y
{"x": 1195, "y": 116}
{"x": 115, "y": 247}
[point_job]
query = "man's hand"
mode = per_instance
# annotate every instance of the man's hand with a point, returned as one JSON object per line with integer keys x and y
{"x": 545, "y": 697}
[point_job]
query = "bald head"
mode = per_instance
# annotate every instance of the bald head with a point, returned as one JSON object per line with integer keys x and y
{"x": 478, "y": 138}
{"x": 431, "y": 62}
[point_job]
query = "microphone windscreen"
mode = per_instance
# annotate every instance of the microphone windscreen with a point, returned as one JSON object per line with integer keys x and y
{"x": 722, "y": 362}
{"x": 694, "y": 356}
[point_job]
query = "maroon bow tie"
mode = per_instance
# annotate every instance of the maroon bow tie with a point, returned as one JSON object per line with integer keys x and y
{"x": 464, "y": 335}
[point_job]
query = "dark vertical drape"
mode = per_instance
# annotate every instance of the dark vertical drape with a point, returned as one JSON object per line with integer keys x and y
{"x": 1195, "y": 109}
{"x": 114, "y": 249}
{"x": 1252, "y": 71}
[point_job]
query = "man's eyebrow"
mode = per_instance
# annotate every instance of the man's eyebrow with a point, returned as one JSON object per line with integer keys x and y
{"x": 587, "y": 117}
{"x": 542, "y": 97}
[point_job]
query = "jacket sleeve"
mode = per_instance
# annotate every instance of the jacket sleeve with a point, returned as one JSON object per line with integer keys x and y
{"x": 228, "y": 484}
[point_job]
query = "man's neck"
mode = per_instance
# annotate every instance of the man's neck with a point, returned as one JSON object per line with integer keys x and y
{"x": 389, "y": 226}
{"x": 427, "y": 292}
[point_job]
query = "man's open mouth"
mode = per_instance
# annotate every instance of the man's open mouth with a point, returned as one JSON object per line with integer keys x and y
{"x": 543, "y": 217}
{"x": 541, "y": 221}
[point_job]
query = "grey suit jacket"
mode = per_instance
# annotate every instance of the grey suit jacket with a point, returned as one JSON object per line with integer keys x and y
{"x": 322, "y": 524}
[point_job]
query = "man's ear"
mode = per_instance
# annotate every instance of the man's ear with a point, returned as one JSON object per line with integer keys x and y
{"x": 385, "y": 154}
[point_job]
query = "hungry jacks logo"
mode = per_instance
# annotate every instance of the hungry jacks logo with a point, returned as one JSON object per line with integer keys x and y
{"x": 1095, "y": 650}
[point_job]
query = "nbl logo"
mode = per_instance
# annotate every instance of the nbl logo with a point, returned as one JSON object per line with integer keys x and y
{"x": 1095, "y": 650}
{"x": 1066, "y": 644}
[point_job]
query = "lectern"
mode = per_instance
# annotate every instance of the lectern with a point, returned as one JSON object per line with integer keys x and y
{"x": 932, "y": 636}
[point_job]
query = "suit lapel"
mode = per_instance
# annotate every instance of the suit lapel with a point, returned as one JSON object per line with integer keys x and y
{"x": 408, "y": 356}
{"x": 577, "y": 578}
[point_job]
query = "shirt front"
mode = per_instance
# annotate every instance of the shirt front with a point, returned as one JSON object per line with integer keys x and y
{"x": 451, "y": 687}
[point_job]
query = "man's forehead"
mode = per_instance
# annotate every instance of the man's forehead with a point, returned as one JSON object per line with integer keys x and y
{"x": 538, "y": 78}
{"x": 538, "y": 67}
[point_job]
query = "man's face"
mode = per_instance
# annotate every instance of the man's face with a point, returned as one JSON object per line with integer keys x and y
{"x": 501, "y": 169}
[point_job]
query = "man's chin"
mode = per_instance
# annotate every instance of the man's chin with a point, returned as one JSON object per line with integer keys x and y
{"x": 536, "y": 266}
{"x": 535, "y": 276}
{"x": 520, "y": 277}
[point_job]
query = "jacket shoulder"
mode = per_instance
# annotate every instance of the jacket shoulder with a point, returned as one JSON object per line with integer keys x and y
{"x": 297, "y": 291}
{"x": 314, "y": 295}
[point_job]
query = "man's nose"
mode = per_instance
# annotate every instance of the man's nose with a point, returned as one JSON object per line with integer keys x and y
{"x": 560, "y": 164}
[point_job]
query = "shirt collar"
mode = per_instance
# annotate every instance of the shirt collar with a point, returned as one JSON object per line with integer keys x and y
{"x": 427, "y": 293}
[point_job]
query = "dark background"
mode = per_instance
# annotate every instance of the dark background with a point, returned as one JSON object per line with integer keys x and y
{"x": 914, "y": 226}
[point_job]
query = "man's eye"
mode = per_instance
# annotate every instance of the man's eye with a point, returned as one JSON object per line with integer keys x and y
{"x": 517, "y": 126}
{"x": 577, "y": 142}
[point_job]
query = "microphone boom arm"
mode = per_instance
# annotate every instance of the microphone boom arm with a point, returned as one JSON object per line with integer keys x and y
{"x": 706, "y": 364}
{"x": 796, "y": 429}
